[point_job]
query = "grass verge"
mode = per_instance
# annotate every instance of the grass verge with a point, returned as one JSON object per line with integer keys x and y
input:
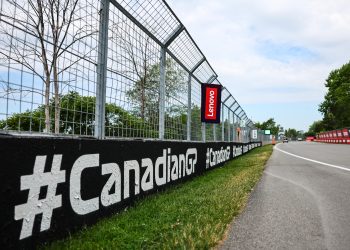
{"x": 191, "y": 215}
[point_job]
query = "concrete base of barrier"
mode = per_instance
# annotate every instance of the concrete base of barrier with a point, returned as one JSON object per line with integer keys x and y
{"x": 342, "y": 141}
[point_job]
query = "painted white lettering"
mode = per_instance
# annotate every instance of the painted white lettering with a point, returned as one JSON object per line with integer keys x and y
{"x": 191, "y": 162}
{"x": 216, "y": 157}
{"x": 108, "y": 199}
{"x": 147, "y": 178}
{"x": 175, "y": 168}
{"x": 211, "y": 103}
{"x": 169, "y": 165}
{"x": 182, "y": 165}
{"x": 79, "y": 205}
{"x": 128, "y": 166}
{"x": 161, "y": 161}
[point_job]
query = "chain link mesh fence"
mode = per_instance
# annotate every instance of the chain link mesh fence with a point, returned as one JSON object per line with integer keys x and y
{"x": 55, "y": 56}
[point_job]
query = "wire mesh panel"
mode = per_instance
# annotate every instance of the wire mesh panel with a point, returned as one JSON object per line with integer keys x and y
{"x": 209, "y": 132}
{"x": 237, "y": 129}
{"x": 53, "y": 70}
{"x": 204, "y": 72}
{"x": 225, "y": 123}
{"x": 176, "y": 100}
{"x": 196, "y": 125}
{"x": 234, "y": 127}
{"x": 189, "y": 55}
{"x": 47, "y": 66}
{"x": 154, "y": 15}
{"x": 132, "y": 88}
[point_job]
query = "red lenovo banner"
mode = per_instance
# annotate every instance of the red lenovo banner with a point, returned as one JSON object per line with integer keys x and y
{"x": 211, "y": 103}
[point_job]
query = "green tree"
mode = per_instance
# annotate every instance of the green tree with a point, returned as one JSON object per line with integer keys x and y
{"x": 145, "y": 92}
{"x": 77, "y": 116}
{"x": 196, "y": 123}
{"x": 315, "y": 128}
{"x": 51, "y": 24}
{"x": 291, "y": 133}
{"x": 270, "y": 124}
{"x": 336, "y": 105}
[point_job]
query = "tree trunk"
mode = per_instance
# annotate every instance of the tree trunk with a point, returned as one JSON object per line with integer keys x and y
{"x": 57, "y": 99}
{"x": 143, "y": 99}
{"x": 47, "y": 104}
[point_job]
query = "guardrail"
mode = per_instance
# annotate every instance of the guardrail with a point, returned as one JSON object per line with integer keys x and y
{"x": 341, "y": 136}
{"x": 76, "y": 74}
{"x": 51, "y": 187}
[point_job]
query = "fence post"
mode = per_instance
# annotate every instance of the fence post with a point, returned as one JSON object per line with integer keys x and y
{"x": 101, "y": 71}
{"x": 222, "y": 123}
{"x": 162, "y": 94}
{"x": 244, "y": 135}
{"x": 189, "y": 108}
{"x": 240, "y": 130}
{"x": 233, "y": 127}
{"x": 249, "y": 134}
{"x": 228, "y": 126}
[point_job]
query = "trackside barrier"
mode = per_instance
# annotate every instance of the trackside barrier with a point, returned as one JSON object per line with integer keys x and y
{"x": 339, "y": 136}
{"x": 51, "y": 186}
{"x": 118, "y": 69}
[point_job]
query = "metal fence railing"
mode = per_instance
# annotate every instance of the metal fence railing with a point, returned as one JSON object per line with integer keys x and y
{"x": 108, "y": 69}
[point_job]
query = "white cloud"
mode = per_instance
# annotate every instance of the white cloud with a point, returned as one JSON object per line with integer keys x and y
{"x": 232, "y": 29}
{"x": 232, "y": 35}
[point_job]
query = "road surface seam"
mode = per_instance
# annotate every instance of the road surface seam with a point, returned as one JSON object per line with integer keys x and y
{"x": 292, "y": 182}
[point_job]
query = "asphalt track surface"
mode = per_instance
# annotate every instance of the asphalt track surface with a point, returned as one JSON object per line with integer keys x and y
{"x": 301, "y": 202}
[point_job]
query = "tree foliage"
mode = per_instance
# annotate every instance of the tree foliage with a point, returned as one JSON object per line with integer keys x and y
{"x": 77, "y": 117}
{"x": 270, "y": 124}
{"x": 51, "y": 23}
{"x": 291, "y": 133}
{"x": 145, "y": 95}
{"x": 315, "y": 128}
{"x": 336, "y": 105}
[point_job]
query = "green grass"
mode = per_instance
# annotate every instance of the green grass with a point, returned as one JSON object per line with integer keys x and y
{"x": 192, "y": 215}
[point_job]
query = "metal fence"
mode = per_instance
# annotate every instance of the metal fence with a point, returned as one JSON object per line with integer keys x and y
{"x": 108, "y": 69}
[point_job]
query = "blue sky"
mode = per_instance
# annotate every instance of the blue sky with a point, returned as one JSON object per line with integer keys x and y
{"x": 273, "y": 55}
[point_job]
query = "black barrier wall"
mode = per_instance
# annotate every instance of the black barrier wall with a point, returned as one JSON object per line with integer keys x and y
{"x": 51, "y": 187}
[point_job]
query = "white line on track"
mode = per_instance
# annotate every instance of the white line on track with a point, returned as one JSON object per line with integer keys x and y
{"x": 307, "y": 159}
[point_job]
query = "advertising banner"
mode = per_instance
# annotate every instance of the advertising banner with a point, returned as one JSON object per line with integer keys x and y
{"x": 211, "y": 103}
{"x": 254, "y": 134}
{"x": 51, "y": 187}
